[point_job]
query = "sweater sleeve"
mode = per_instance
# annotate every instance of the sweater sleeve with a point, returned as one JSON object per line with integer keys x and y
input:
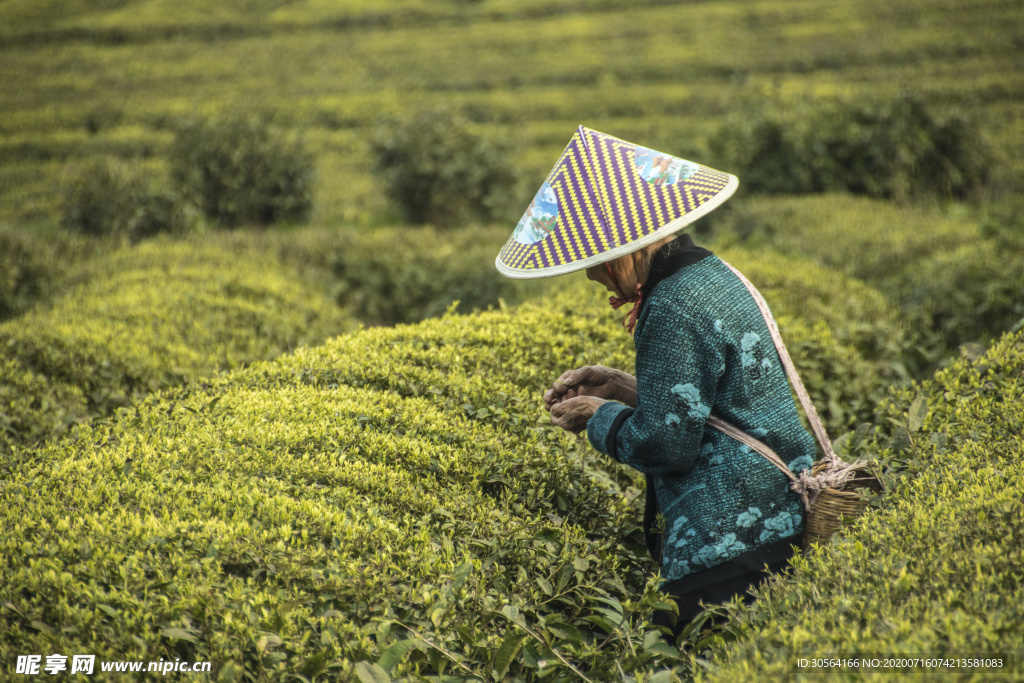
{"x": 604, "y": 424}
{"x": 679, "y": 362}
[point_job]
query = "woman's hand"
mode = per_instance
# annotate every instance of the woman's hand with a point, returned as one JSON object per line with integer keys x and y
{"x": 572, "y": 414}
{"x": 592, "y": 380}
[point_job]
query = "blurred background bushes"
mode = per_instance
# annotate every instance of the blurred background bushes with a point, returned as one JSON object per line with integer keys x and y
{"x": 393, "y": 275}
{"x": 105, "y": 197}
{"x": 114, "y": 78}
{"x": 893, "y": 148}
{"x": 241, "y": 169}
{"x": 437, "y": 170}
{"x": 33, "y": 267}
{"x": 234, "y": 170}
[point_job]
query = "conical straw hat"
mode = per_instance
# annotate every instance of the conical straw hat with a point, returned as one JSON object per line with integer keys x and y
{"x": 604, "y": 198}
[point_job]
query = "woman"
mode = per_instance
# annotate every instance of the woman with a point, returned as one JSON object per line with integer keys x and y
{"x": 702, "y": 349}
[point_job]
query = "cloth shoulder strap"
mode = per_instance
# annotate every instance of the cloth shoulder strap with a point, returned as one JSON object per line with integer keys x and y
{"x": 794, "y": 377}
{"x": 836, "y": 472}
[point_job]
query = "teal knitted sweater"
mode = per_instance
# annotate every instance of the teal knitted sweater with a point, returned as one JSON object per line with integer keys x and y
{"x": 703, "y": 348}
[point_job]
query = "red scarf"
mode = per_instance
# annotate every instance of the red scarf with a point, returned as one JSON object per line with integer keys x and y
{"x": 629, "y": 320}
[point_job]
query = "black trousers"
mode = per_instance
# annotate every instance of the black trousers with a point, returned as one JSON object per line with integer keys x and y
{"x": 720, "y": 584}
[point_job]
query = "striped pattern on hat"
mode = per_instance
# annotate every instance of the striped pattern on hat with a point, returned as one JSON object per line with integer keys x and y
{"x": 606, "y": 197}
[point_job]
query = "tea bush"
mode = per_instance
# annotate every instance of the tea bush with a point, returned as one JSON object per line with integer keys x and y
{"x": 242, "y": 170}
{"x": 35, "y": 407}
{"x": 898, "y": 147}
{"x": 441, "y": 172}
{"x": 361, "y": 269}
{"x": 94, "y": 201}
{"x": 936, "y": 571}
{"x": 146, "y": 318}
{"x": 362, "y": 502}
{"x": 105, "y": 197}
{"x": 970, "y": 294}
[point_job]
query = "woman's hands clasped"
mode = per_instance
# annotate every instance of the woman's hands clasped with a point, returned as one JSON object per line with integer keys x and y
{"x": 577, "y": 394}
{"x": 572, "y": 414}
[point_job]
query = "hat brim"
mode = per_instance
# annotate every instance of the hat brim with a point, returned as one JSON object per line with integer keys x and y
{"x": 661, "y": 233}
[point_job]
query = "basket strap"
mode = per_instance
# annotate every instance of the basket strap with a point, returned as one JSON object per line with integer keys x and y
{"x": 794, "y": 377}
{"x": 805, "y": 487}
{"x": 755, "y": 444}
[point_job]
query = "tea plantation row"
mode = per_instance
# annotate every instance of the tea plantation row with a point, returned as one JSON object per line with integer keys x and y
{"x": 389, "y": 489}
{"x": 950, "y": 280}
{"x": 92, "y": 82}
{"x": 953, "y": 273}
{"x": 143, "y": 319}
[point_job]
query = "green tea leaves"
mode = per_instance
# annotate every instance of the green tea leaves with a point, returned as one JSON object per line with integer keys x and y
{"x": 917, "y": 413}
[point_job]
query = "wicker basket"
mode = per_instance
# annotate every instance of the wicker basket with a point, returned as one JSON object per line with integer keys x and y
{"x": 833, "y": 506}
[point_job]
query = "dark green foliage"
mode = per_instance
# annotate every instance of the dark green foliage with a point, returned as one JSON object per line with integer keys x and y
{"x": 102, "y": 116}
{"x": 395, "y": 275}
{"x": 421, "y": 279}
{"x": 440, "y": 172}
{"x": 94, "y": 200}
{"x": 159, "y": 211}
{"x": 893, "y": 148}
{"x": 969, "y": 294}
{"x": 762, "y": 154}
{"x": 389, "y": 278}
{"x": 32, "y": 265}
{"x": 242, "y": 170}
{"x": 108, "y": 198}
